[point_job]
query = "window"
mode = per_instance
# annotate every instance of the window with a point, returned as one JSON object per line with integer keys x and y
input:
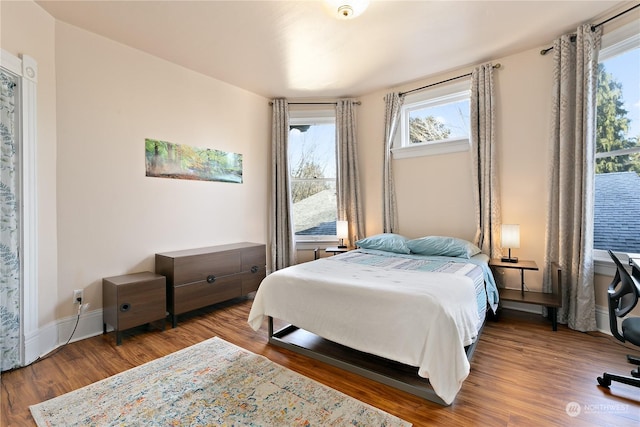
{"x": 312, "y": 168}
{"x": 434, "y": 121}
{"x": 617, "y": 179}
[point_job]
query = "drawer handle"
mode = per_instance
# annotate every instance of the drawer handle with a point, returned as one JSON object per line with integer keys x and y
{"x": 254, "y": 269}
{"x": 125, "y": 307}
{"x": 211, "y": 278}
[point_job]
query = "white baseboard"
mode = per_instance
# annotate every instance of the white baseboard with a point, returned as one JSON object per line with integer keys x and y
{"x": 89, "y": 325}
{"x": 55, "y": 334}
{"x": 602, "y": 320}
{"x": 40, "y": 342}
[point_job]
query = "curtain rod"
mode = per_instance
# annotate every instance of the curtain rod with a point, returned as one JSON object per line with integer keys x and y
{"x": 593, "y": 27}
{"x": 439, "y": 83}
{"x": 314, "y": 103}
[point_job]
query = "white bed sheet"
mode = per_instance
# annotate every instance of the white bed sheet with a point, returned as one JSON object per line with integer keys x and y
{"x": 421, "y": 319}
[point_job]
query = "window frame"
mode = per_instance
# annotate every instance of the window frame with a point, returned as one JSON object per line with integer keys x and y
{"x": 615, "y": 43}
{"x": 440, "y": 95}
{"x": 313, "y": 117}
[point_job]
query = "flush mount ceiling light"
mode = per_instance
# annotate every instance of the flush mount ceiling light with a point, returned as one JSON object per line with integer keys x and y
{"x": 347, "y": 9}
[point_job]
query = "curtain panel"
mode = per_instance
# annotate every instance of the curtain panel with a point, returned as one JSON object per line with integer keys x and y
{"x": 483, "y": 161}
{"x": 10, "y": 269}
{"x": 348, "y": 185}
{"x": 281, "y": 227}
{"x": 569, "y": 234}
{"x": 393, "y": 102}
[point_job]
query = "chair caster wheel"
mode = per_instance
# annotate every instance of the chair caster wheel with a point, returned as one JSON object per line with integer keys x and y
{"x": 604, "y": 381}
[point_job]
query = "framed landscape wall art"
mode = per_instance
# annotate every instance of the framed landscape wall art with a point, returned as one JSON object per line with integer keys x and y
{"x": 168, "y": 160}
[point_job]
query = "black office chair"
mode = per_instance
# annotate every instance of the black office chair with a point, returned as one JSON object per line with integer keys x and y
{"x": 621, "y": 302}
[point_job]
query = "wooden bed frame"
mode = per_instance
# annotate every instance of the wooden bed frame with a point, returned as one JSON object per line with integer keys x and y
{"x": 385, "y": 371}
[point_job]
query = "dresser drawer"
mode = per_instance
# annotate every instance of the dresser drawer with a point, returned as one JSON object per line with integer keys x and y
{"x": 254, "y": 257}
{"x": 200, "y": 277}
{"x": 201, "y": 294}
{"x": 251, "y": 281}
{"x": 253, "y": 268}
{"x": 200, "y": 267}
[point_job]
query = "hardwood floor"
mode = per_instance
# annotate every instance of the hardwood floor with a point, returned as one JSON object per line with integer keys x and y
{"x": 522, "y": 373}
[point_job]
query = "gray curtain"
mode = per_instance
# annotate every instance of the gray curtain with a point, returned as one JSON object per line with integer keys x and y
{"x": 393, "y": 101}
{"x": 10, "y": 270}
{"x": 281, "y": 227}
{"x": 483, "y": 159}
{"x": 569, "y": 239}
{"x": 348, "y": 185}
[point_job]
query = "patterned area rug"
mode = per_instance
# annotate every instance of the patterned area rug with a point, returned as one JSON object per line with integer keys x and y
{"x": 211, "y": 383}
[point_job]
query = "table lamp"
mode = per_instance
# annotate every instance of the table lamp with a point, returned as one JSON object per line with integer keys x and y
{"x": 342, "y": 231}
{"x": 510, "y": 239}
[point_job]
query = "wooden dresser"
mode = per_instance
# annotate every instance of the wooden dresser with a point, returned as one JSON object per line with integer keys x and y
{"x": 200, "y": 277}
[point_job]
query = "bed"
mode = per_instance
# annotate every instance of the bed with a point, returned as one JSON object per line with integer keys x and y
{"x": 417, "y": 310}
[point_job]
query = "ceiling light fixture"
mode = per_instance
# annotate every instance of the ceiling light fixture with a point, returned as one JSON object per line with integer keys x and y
{"x": 347, "y": 9}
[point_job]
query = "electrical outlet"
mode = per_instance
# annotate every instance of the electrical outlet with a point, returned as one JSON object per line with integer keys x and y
{"x": 78, "y": 296}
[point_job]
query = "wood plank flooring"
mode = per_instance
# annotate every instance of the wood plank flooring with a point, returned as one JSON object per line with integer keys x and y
{"x": 522, "y": 373}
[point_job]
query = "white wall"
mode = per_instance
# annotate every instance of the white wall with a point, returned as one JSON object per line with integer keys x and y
{"x": 29, "y": 30}
{"x": 99, "y": 215}
{"x": 112, "y": 219}
{"x": 434, "y": 193}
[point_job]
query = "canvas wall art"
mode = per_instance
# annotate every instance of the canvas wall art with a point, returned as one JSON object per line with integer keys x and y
{"x": 168, "y": 160}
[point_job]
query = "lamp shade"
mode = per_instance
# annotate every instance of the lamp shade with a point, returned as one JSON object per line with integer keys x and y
{"x": 342, "y": 229}
{"x": 510, "y": 236}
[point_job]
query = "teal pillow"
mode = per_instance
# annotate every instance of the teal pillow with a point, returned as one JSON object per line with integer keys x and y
{"x": 443, "y": 246}
{"x": 388, "y": 242}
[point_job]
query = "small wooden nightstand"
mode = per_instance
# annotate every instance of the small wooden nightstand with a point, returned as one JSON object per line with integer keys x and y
{"x": 133, "y": 300}
{"x": 336, "y": 250}
{"x": 550, "y": 300}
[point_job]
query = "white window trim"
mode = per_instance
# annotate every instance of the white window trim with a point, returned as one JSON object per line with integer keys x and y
{"x": 615, "y": 43}
{"x": 433, "y": 148}
{"x": 439, "y": 95}
{"x": 27, "y": 69}
{"x": 619, "y": 41}
{"x": 311, "y": 117}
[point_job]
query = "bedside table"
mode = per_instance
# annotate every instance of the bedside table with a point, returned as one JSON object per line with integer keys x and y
{"x": 551, "y": 300}
{"x": 336, "y": 250}
{"x": 521, "y": 265}
{"x": 133, "y": 300}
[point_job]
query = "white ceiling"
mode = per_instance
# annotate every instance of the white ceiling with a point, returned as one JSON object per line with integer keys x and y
{"x": 297, "y": 49}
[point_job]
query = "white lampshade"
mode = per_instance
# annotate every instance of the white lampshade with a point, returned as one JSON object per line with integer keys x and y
{"x": 510, "y": 236}
{"x": 342, "y": 229}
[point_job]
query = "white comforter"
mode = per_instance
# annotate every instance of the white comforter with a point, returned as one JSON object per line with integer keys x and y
{"x": 421, "y": 319}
